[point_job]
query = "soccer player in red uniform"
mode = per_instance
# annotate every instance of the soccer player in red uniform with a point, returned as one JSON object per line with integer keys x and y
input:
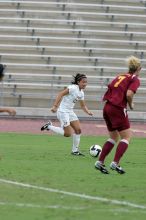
{"x": 120, "y": 92}
{"x": 10, "y": 111}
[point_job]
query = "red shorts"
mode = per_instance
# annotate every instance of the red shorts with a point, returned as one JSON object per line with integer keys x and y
{"x": 116, "y": 118}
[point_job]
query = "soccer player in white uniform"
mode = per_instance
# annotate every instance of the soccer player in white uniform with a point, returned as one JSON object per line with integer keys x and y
{"x": 64, "y": 105}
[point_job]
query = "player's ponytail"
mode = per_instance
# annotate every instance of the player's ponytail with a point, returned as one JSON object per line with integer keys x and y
{"x": 133, "y": 64}
{"x": 78, "y": 77}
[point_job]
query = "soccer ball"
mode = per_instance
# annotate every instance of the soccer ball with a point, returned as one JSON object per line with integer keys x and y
{"x": 95, "y": 150}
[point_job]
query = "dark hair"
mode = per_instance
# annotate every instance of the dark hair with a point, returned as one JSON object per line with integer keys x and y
{"x": 78, "y": 77}
{"x": 2, "y": 67}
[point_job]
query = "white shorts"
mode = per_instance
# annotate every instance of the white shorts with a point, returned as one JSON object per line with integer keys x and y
{"x": 66, "y": 117}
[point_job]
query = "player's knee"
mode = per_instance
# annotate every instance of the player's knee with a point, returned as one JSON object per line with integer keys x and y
{"x": 78, "y": 131}
{"x": 67, "y": 134}
{"x": 126, "y": 138}
{"x": 116, "y": 139}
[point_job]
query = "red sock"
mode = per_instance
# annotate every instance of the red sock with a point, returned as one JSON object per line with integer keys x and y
{"x": 121, "y": 148}
{"x": 107, "y": 147}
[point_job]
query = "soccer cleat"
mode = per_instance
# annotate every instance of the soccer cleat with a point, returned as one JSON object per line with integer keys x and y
{"x": 101, "y": 167}
{"x": 116, "y": 167}
{"x": 77, "y": 153}
{"x": 45, "y": 127}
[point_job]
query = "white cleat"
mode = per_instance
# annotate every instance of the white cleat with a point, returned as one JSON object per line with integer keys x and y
{"x": 116, "y": 167}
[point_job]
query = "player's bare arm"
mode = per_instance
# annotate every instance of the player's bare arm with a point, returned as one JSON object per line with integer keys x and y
{"x": 10, "y": 111}
{"x": 129, "y": 96}
{"x": 58, "y": 99}
{"x": 84, "y": 107}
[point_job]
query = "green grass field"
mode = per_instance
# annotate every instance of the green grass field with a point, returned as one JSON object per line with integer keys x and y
{"x": 45, "y": 161}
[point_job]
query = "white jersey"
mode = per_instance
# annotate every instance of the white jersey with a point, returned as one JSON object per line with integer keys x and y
{"x": 68, "y": 101}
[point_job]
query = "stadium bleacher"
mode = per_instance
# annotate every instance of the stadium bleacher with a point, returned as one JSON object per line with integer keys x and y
{"x": 44, "y": 43}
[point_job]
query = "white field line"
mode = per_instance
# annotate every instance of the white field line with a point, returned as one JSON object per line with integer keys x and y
{"x": 125, "y": 210}
{"x": 28, "y": 205}
{"x": 133, "y": 130}
{"x": 83, "y": 196}
{"x": 139, "y": 131}
{"x": 38, "y": 206}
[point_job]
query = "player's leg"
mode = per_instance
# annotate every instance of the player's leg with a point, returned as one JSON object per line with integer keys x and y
{"x": 125, "y": 135}
{"x": 75, "y": 124}
{"x": 113, "y": 138}
{"x": 108, "y": 113}
{"x": 106, "y": 149}
{"x": 49, "y": 126}
{"x": 108, "y": 145}
{"x": 64, "y": 129}
{"x": 121, "y": 149}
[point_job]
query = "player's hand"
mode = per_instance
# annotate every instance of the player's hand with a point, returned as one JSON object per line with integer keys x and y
{"x": 11, "y": 112}
{"x": 54, "y": 109}
{"x": 90, "y": 113}
{"x": 132, "y": 106}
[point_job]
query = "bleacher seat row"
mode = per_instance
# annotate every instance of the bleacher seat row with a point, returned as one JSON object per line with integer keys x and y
{"x": 44, "y": 43}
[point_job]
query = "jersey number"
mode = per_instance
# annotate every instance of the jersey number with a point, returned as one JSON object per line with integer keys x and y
{"x": 120, "y": 79}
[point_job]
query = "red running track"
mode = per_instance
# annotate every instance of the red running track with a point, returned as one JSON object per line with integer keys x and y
{"x": 88, "y": 127}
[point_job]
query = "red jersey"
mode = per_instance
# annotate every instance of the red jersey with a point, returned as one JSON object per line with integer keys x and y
{"x": 117, "y": 89}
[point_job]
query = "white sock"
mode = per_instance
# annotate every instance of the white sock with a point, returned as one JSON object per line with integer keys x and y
{"x": 125, "y": 141}
{"x": 57, "y": 130}
{"x": 111, "y": 141}
{"x": 76, "y": 142}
